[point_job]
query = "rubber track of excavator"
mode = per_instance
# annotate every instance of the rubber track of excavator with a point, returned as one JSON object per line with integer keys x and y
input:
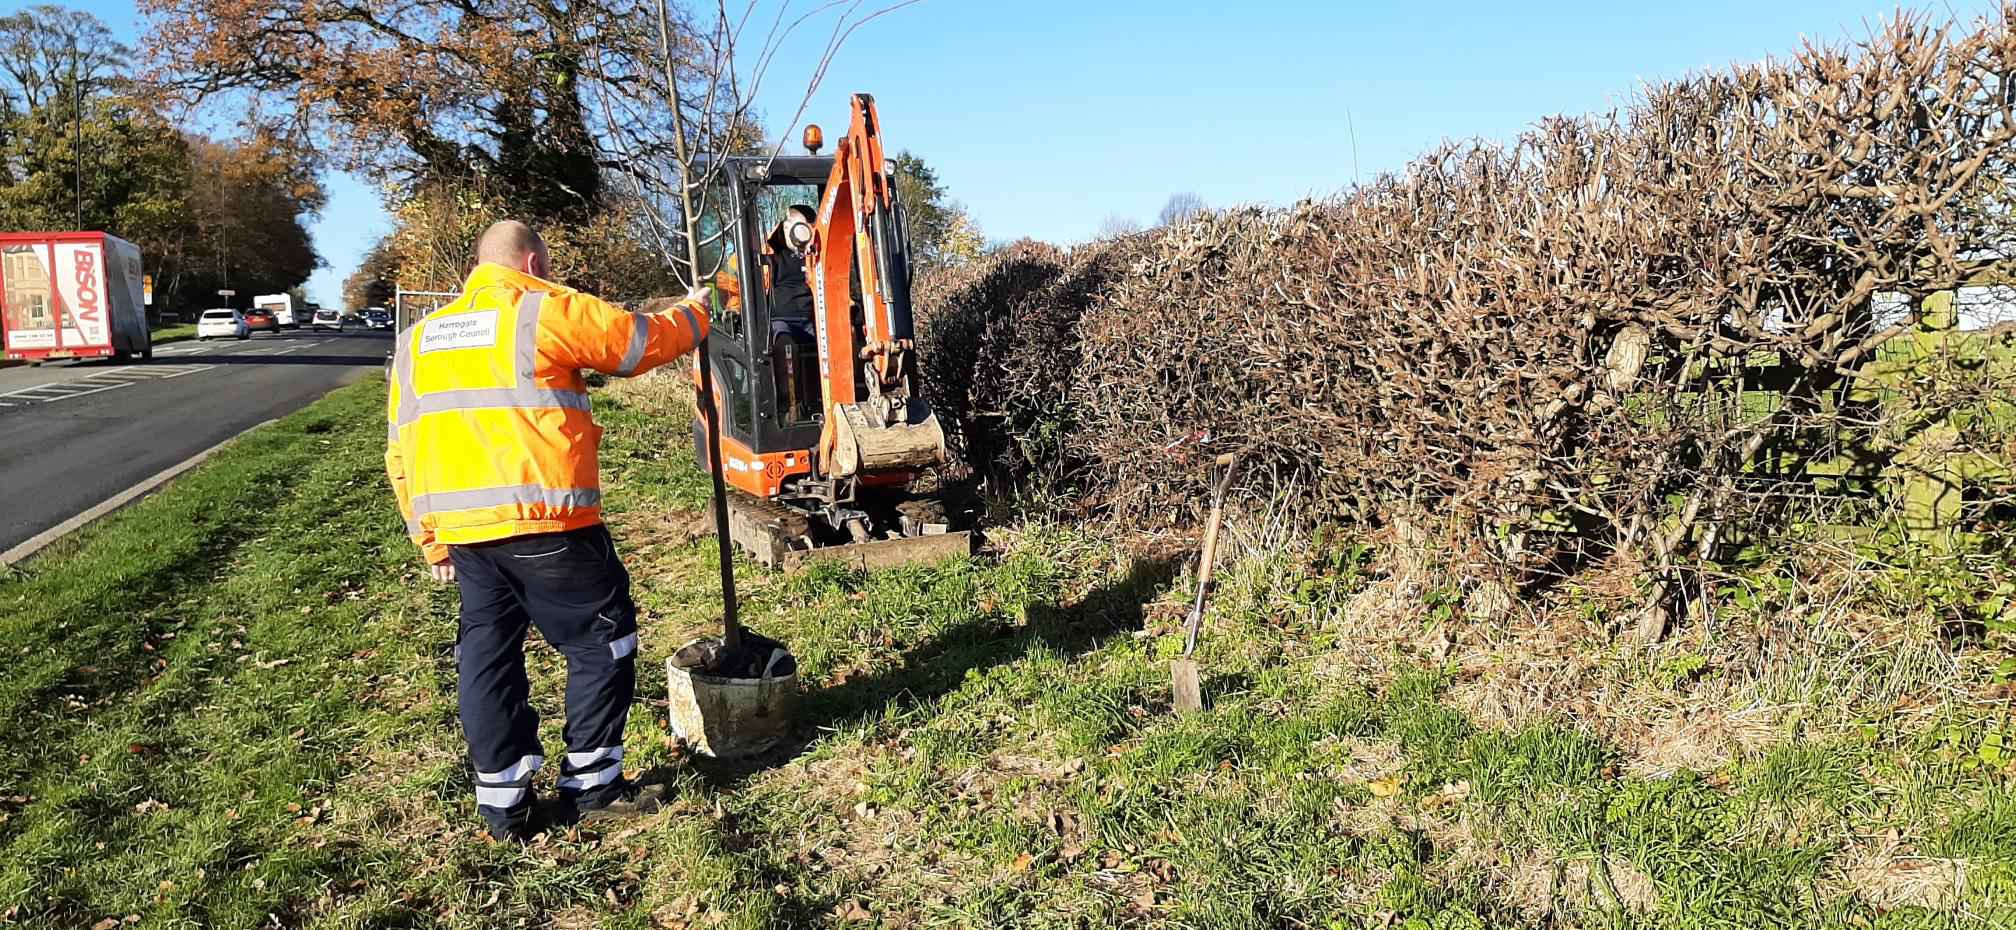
{"x": 773, "y": 535}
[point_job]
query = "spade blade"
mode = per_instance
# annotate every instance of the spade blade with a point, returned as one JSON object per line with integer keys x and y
{"x": 1184, "y": 684}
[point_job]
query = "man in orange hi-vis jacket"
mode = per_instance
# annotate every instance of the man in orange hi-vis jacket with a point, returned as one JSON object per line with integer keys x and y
{"x": 492, "y": 455}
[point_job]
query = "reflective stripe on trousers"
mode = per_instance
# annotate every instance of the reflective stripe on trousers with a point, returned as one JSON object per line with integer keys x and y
{"x": 508, "y": 787}
{"x": 592, "y": 769}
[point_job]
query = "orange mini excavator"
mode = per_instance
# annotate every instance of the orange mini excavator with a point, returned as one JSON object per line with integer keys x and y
{"x": 825, "y": 433}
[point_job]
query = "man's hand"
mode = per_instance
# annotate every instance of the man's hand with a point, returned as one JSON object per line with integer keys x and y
{"x": 443, "y": 572}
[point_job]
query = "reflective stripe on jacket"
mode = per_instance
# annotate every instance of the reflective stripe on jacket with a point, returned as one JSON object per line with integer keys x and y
{"x": 490, "y": 434}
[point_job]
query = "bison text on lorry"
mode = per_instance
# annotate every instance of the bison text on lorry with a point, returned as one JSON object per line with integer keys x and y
{"x": 71, "y": 295}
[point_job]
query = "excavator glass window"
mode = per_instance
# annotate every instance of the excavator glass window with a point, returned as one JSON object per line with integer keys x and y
{"x": 772, "y": 200}
{"x": 716, "y": 228}
{"x": 794, "y": 358}
{"x": 741, "y": 400}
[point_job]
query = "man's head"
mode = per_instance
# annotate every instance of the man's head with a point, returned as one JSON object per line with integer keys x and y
{"x": 514, "y": 245}
{"x": 796, "y": 226}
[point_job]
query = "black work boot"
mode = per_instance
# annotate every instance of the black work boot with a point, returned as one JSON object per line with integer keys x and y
{"x": 621, "y": 800}
{"x": 513, "y": 825}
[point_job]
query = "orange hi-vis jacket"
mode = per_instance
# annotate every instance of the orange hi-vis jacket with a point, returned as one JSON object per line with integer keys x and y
{"x": 490, "y": 432}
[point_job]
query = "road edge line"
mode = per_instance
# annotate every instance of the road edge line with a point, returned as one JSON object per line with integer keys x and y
{"x": 44, "y": 539}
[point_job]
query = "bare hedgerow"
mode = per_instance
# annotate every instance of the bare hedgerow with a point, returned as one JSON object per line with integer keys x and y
{"x": 1553, "y": 350}
{"x": 1001, "y": 369}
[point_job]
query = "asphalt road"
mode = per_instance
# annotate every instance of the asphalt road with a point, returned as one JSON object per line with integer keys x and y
{"x": 73, "y": 434}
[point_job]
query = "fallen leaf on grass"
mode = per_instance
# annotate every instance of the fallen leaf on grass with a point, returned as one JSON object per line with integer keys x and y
{"x": 1023, "y": 862}
{"x": 1450, "y": 795}
{"x": 853, "y": 912}
{"x": 1384, "y": 787}
{"x": 149, "y": 806}
{"x": 109, "y": 923}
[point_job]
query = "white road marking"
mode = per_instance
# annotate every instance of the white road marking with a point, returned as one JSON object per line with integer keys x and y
{"x": 68, "y": 393}
{"x": 99, "y": 382}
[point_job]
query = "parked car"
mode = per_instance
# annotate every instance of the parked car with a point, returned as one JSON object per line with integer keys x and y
{"x": 258, "y": 319}
{"x": 222, "y": 324}
{"x": 377, "y": 318}
{"x": 326, "y": 318}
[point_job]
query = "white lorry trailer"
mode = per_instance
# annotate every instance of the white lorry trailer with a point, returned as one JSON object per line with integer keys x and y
{"x": 282, "y": 308}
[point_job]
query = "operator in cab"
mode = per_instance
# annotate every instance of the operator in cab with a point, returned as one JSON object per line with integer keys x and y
{"x": 492, "y": 454}
{"x": 791, "y": 339}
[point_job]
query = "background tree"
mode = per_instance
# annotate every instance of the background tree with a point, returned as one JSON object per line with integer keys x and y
{"x": 1180, "y": 208}
{"x": 430, "y": 91}
{"x": 249, "y": 206}
{"x": 1116, "y": 225}
{"x": 941, "y": 232}
{"x": 44, "y": 48}
{"x": 371, "y": 285}
{"x": 86, "y": 148}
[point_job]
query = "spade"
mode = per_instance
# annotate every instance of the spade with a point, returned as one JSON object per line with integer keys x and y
{"x": 1184, "y": 683}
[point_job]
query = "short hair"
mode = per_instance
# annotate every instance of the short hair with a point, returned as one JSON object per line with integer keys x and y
{"x": 507, "y": 242}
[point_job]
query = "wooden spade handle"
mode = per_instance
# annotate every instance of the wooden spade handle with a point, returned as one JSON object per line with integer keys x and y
{"x": 1209, "y": 561}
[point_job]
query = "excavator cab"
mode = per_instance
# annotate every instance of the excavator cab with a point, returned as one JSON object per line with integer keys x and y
{"x": 825, "y": 431}
{"x": 765, "y": 346}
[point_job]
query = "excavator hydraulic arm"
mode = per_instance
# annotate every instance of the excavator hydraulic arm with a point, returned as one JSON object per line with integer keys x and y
{"x": 877, "y": 422}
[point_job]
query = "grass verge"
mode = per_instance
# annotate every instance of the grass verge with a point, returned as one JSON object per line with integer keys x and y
{"x": 232, "y": 705}
{"x": 174, "y": 332}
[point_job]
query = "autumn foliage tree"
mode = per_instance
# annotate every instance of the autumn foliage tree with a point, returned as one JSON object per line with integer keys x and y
{"x": 424, "y": 91}
{"x": 246, "y": 228}
{"x": 83, "y": 145}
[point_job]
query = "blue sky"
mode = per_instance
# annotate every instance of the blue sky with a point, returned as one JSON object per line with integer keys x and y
{"x": 1045, "y": 117}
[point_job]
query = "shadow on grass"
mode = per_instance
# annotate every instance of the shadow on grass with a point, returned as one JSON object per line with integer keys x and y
{"x": 936, "y": 666}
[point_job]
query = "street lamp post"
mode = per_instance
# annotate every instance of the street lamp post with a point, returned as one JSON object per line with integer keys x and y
{"x": 77, "y": 134}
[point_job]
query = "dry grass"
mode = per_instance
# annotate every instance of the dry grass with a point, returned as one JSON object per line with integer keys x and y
{"x": 1889, "y": 876}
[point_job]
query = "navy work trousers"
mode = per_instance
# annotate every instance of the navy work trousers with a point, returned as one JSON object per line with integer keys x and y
{"x": 574, "y": 589}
